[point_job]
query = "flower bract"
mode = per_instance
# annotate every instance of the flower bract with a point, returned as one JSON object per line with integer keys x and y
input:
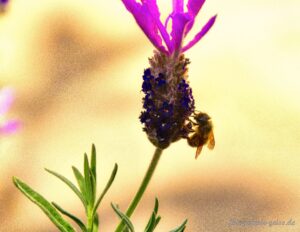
{"x": 147, "y": 16}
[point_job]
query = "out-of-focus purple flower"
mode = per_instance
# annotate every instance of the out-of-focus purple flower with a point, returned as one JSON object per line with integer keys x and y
{"x": 3, "y": 2}
{"x": 147, "y": 16}
{"x": 3, "y": 5}
{"x": 6, "y": 100}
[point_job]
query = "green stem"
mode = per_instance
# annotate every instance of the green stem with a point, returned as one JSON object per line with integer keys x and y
{"x": 142, "y": 188}
{"x": 90, "y": 220}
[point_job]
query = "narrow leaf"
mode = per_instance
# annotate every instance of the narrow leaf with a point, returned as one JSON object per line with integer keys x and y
{"x": 157, "y": 221}
{"x": 45, "y": 206}
{"x": 94, "y": 162}
{"x": 151, "y": 223}
{"x": 69, "y": 183}
{"x": 156, "y": 205}
{"x": 93, "y": 188}
{"x": 74, "y": 218}
{"x": 80, "y": 181}
{"x": 123, "y": 217}
{"x": 93, "y": 170}
{"x": 181, "y": 228}
{"x": 87, "y": 180}
{"x": 110, "y": 181}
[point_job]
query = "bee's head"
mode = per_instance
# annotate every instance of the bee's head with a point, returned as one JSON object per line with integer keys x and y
{"x": 202, "y": 118}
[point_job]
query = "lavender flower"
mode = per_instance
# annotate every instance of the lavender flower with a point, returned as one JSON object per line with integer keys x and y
{"x": 6, "y": 100}
{"x": 147, "y": 17}
{"x": 3, "y": 5}
{"x": 3, "y": 2}
{"x": 168, "y": 103}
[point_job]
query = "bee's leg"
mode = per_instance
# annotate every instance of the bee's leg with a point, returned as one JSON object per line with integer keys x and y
{"x": 198, "y": 151}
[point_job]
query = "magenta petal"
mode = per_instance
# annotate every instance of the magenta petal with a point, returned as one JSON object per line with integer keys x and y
{"x": 167, "y": 20}
{"x": 189, "y": 27}
{"x": 152, "y": 6}
{"x": 193, "y": 6}
{"x": 154, "y": 11}
{"x": 6, "y": 99}
{"x": 177, "y": 6}
{"x": 10, "y": 127}
{"x": 202, "y": 33}
{"x": 145, "y": 20}
{"x": 179, "y": 22}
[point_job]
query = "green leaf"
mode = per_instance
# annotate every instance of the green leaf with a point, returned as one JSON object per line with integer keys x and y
{"x": 157, "y": 221}
{"x": 74, "y": 218}
{"x": 93, "y": 188}
{"x": 80, "y": 181}
{"x": 153, "y": 221}
{"x": 156, "y": 205}
{"x": 69, "y": 183}
{"x": 181, "y": 228}
{"x": 126, "y": 219}
{"x": 110, "y": 181}
{"x": 47, "y": 208}
{"x": 93, "y": 162}
{"x": 93, "y": 172}
{"x": 87, "y": 180}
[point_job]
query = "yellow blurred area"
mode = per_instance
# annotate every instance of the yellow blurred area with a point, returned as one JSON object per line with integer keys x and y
{"x": 77, "y": 66}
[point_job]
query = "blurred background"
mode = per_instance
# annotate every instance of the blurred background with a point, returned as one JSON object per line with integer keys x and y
{"x": 76, "y": 67}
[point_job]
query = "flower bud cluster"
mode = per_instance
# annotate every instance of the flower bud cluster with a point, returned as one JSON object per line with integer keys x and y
{"x": 168, "y": 101}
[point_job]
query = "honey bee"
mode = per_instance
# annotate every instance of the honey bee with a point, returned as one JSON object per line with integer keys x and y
{"x": 201, "y": 132}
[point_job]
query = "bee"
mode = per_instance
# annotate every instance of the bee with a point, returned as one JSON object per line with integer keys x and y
{"x": 201, "y": 132}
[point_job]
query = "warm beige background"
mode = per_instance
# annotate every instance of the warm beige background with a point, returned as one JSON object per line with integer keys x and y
{"x": 77, "y": 66}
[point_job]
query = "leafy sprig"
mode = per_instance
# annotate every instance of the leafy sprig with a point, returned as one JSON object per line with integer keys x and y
{"x": 152, "y": 222}
{"x": 86, "y": 192}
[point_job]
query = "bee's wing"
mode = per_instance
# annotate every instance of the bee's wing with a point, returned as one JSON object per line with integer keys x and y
{"x": 211, "y": 141}
{"x": 198, "y": 151}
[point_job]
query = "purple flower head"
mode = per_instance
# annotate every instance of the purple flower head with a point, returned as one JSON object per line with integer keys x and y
{"x": 3, "y": 6}
{"x": 169, "y": 113}
{"x": 3, "y": 2}
{"x": 147, "y": 16}
{"x": 6, "y": 100}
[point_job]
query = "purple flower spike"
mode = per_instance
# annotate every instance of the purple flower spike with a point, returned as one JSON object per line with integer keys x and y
{"x": 169, "y": 112}
{"x": 6, "y": 100}
{"x": 147, "y": 16}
